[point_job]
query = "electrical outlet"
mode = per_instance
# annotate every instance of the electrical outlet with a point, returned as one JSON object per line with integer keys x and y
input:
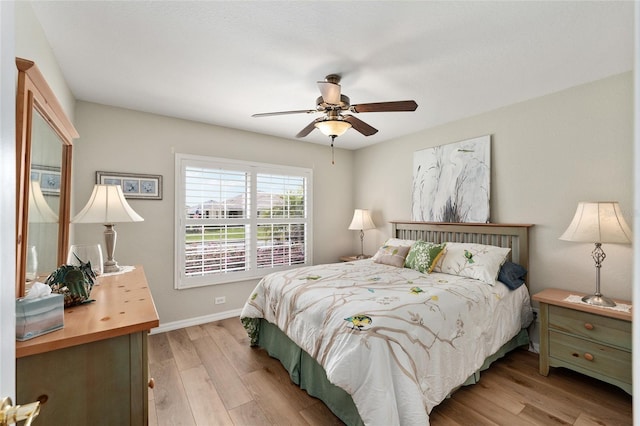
{"x": 220, "y": 300}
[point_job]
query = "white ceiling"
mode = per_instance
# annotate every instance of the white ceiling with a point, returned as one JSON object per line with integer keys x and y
{"x": 219, "y": 62}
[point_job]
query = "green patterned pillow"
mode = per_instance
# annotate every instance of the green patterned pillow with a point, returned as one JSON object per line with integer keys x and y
{"x": 423, "y": 256}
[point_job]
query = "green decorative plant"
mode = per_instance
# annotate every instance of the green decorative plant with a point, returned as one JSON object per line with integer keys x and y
{"x": 73, "y": 282}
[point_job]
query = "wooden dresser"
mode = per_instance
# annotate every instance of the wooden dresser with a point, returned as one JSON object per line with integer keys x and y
{"x": 591, "y": 340}
{"x": 95, "y": 370}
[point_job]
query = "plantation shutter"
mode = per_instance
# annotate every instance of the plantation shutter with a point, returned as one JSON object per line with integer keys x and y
{"x": 238, "y": 220}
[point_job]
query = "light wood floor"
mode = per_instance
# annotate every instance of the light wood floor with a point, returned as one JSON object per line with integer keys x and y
{"x": 208, "y": 375}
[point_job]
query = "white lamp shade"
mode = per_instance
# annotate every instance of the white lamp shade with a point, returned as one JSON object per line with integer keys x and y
{"x": 107, "y": 205}
{"x": 39, "y": 209}
{"x": 361, "y": 220}
{"x": 333, "y": 127}
{"x": 598, "y": 222}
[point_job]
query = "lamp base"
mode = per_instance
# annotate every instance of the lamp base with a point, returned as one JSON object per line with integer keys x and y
{"x": 599, "y": 300}
{"x": 110, "y": 266}
{"x": 110, "y": 236}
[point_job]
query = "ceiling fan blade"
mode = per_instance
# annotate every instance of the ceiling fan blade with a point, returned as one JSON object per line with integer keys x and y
{"x": 385, "y": 106}
{"x": 360, "y": 125}
{"x": 304, "y": 132}
{"x": 300, "y": 111}
{"x": 330, "y": 92}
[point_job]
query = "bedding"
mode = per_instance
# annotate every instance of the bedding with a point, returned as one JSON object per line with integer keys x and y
{"x": 395, "y": 339}
{"x": 479, "y": 261}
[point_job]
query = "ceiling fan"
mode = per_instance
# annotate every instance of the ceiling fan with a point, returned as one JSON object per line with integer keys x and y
{"x": 333, "y": 104}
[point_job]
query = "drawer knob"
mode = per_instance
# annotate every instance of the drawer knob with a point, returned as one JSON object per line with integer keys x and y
{"x": 152, "y": 383}
{"x": 589, "y": 326}
{"x": 588, "y": 356}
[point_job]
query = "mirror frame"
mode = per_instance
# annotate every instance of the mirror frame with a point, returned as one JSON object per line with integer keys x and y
{"x": 34, "y": 94}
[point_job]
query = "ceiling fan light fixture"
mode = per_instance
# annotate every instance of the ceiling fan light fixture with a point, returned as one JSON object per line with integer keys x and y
{"x": 333, "y": 127}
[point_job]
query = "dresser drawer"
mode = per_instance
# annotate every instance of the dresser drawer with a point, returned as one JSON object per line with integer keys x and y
{"x": 606, "y": 360}
{"x": 602, "y": 329}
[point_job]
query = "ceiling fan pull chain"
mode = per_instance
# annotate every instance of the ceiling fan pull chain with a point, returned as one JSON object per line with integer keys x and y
{"x": 333, "y": 137}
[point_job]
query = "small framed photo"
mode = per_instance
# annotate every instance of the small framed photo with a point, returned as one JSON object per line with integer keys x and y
{"x": 134, "y": 185}
{"x": 49, "y": 178}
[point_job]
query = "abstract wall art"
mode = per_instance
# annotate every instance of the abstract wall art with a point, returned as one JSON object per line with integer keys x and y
{"x": 451, "y": 183}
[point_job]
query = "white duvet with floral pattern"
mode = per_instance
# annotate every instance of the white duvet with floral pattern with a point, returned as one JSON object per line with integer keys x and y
{"x": 395, "y": 339}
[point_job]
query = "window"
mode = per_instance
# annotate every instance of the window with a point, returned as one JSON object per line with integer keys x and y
{"x": 237, "y": 220}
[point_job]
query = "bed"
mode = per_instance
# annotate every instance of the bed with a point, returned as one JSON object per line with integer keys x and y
{"x": 381, "y": 343}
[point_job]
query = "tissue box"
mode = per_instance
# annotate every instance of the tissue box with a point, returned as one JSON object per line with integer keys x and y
{"x": 39, "y": 316}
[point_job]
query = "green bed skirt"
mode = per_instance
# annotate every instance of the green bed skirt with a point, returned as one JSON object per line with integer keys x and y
{"x": 310, "y": 376}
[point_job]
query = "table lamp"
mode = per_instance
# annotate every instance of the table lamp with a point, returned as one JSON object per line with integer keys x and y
{"x": 598, "y": 222}
{"x": 108, "y": 206}
{"x": 39, "y": 209}
{"x": 361, "y": 221}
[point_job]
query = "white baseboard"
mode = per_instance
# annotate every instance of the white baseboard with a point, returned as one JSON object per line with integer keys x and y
{"x": 175, "y": 325}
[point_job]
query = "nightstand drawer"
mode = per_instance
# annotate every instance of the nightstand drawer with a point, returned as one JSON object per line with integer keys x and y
{"x": 609, "y": 331}
{"x": 606, "y": 360}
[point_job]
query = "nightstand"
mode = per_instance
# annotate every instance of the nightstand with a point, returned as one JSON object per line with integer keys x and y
{"x": 352, "y": 258}
{"x": 587, "y": 339}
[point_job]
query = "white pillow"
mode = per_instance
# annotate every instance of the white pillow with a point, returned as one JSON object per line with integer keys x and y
{"x": 399, "y": 242}
{"x": 478, "y": 261}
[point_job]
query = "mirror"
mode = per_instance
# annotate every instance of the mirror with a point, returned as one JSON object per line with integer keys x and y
{"x": 44, "y": 137}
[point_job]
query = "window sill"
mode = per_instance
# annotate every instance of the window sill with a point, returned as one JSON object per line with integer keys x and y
{"x": 211, "y": 280}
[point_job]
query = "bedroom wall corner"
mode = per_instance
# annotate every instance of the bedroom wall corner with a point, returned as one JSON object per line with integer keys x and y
{"x": 32, "y": 44}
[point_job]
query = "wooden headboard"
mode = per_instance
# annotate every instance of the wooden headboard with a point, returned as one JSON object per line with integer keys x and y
{"x": 514, "y": 236}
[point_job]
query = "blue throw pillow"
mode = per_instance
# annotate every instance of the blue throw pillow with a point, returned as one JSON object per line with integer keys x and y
{"x": 512, "y": 275}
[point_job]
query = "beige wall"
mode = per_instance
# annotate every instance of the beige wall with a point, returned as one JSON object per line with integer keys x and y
{"x": 547, "y": 155}
{"x": 119, "y": 140}
{"x": 32, "y": 44}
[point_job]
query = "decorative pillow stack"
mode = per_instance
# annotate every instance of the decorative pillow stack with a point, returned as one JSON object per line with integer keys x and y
{"x": 391, "y": 255}
{"x": 478, "y": 261}
{"x": 423, "y": 256}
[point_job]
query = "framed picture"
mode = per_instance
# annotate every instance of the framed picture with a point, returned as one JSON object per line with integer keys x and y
{"x": 134, "y": 185}
{"x": 49, "y": 178}
{"x": 451, "y": 183}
